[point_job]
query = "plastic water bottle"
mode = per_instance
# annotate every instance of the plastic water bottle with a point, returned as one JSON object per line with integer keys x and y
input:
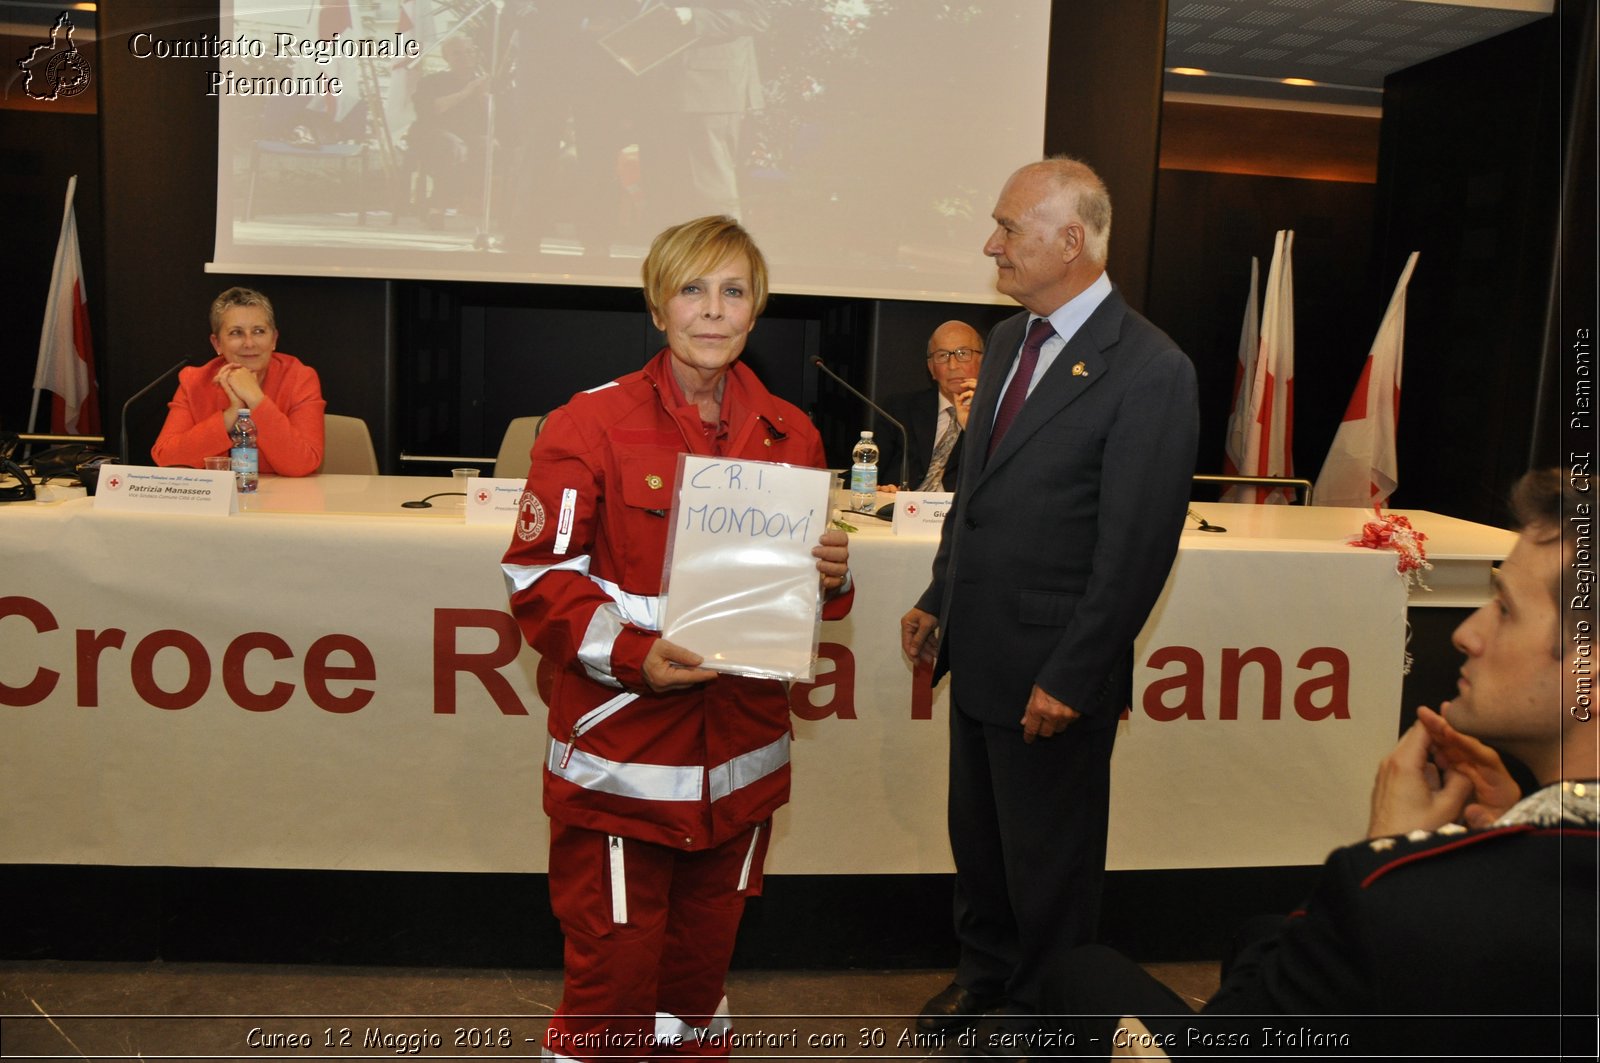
{"x": 246, "y": 458}
{"x": 864, "y": 475}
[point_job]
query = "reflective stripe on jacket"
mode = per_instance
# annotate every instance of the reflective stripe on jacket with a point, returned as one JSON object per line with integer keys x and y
{"x": 688, "y": 769}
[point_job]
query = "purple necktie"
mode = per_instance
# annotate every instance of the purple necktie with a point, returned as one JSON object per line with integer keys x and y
{"x": 1017, "y": 391}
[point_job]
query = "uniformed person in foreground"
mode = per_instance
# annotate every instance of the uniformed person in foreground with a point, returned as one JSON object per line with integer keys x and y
{"x": 1466, "y": 922}
{"x": 660, "y": 776}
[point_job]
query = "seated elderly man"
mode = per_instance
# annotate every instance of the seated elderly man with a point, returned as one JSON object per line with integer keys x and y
{"x": 1468, "y": 899}
{"x": 934, "y": 417}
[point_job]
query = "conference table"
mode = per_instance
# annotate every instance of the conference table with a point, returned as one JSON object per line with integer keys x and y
{"x": 327, "y": 679}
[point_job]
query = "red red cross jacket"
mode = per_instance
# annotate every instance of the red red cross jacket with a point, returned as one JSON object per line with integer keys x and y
{"x": 689, "y": 769}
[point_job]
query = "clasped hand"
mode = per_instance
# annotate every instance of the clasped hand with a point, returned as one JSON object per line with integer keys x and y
{"x": 243, "y": 391}
{"x": 1437, "y": 775}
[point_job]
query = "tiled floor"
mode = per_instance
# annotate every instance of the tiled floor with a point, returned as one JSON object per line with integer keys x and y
{"x": 158, "y": 1011}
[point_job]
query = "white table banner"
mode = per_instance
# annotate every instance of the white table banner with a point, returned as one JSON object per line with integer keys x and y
{"x": 360, "y": 698}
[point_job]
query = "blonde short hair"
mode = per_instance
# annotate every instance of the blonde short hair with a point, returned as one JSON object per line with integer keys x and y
{"x": 684, "y": 252}
{"x": 236, "y": 297}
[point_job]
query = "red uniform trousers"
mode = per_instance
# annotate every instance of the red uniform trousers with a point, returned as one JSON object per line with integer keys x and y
{"x": 649, "y": 934}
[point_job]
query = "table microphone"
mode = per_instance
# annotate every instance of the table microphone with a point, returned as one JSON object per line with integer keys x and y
{"x": 141, "y": 393}
{"x": 905, "y": 440}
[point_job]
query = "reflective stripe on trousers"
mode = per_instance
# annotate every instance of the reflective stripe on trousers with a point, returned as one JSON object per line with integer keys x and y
{"x": 619, "y": 879}
{"x": 749, "y": 859}
{"x": 616, "y": 855}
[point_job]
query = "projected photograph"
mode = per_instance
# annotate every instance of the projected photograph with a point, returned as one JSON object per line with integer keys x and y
{"x": 550, "y": 140}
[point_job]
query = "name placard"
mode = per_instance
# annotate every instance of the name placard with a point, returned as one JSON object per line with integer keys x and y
{"x": 147, "y": 489}
{"x": 921, "y": 512}
{"x": 493, "y": 500}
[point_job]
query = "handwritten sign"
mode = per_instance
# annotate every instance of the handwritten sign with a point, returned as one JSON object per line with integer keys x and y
{"x": 740, "y": 585}
{"x": 146, "y": 489}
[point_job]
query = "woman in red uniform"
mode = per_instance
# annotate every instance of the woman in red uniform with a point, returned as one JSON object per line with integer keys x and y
{"x": 281, "y": 392}
{"x": 661, "y": 776}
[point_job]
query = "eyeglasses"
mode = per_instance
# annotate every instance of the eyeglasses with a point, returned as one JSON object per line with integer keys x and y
{"x": 960, "y": 354}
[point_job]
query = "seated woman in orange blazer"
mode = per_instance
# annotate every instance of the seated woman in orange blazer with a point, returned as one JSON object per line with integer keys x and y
{"x": 281, "y": 392}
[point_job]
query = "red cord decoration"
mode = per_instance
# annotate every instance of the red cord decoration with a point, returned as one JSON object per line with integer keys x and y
{"x": 1390, "y": 531}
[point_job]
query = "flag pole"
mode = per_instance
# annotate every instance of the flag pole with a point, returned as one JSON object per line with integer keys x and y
{"x": 50, "y": 303}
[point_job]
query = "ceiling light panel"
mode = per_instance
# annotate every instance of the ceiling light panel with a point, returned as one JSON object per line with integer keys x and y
{"x": 1351, "y": 44}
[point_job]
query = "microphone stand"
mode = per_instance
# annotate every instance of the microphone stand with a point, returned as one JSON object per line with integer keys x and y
{"x": 905, "y": 439}
{"x": 1205, "y": 526}
{"x": 141, "y": 393}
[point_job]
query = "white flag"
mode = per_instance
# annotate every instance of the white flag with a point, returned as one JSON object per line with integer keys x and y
{"x": 66, "y": 356}
{"x": 1243, "y": 377}
{"x": 1269, "y": 426}
{"x": 1361, "y": 468}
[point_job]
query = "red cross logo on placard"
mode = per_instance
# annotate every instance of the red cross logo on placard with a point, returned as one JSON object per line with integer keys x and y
{"x": 483, "y": 497}
{"x": 114, "y": 484}
{"x": 911, "y": 509}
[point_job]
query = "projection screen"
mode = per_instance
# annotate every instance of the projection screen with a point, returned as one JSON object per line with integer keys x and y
{"x": 861, "y": 141}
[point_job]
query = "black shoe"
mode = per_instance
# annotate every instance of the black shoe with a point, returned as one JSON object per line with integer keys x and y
{"x": 955, "y": 1006}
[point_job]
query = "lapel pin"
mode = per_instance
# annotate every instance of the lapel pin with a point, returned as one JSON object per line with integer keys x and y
{"x": 1080, "y": 370}
{"x": 653, "y": 482}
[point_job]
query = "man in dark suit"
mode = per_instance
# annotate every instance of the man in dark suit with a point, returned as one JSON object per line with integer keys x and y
{"x": 935, "y": 417}
{"x": 1074, "y": 482}
{"x": 1467, "y": 898}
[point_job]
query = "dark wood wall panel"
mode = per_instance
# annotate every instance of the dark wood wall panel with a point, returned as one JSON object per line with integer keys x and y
{"x": 1208, "y": 225}
{"x": 158, "y": 134}
{"x": 1103, "y": 105}
{"x": 1470, "y": 176}
{"x": 39, "y": 151}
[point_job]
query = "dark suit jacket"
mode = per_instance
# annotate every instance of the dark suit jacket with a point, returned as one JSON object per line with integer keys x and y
{"x": 1498, "y": 924}
{"x": 1057, "y": 547}
{"x": 919, "y": 412}
{"x": 1491, "y": 921}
